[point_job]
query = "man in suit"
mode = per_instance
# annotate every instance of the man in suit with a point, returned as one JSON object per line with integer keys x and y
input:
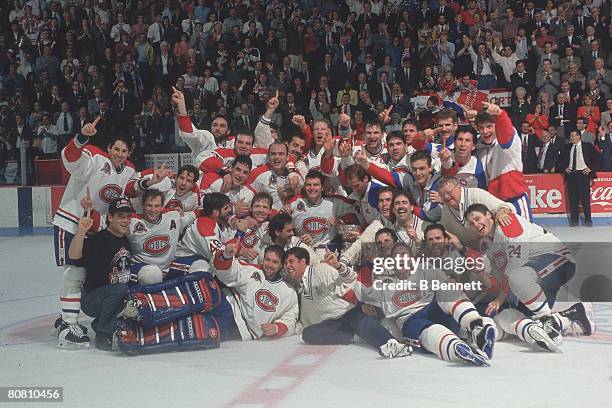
{"x": 405, "y": 77}
{"x": 81, "y": 120}
{"x": 578, "y": 160}
{"x": 246, "y": 121}
{"x": 580, "y": 22}
{"x": 122, "y": 103}
{"x": 328, "y": 39}
{"x": 602, "y": 75}
{"x": 93, "y": 104}
{"x": 382, "y": 90}
{"x": 542, "y": 154}
{"x": 444, "y": 10}
{"x": 65, "y": 122}
{"x": 570, "y": 56}
{"x": 77, "y": 98}
{"x": 594, "y": 52}
{"x": 522, "y": 78}
{"x": 548, "y": 79}
{"x": 562, "y": 115}
{"x": 570, "y": 39}
{"x": 585, "y": 135}
{"x": 547, "y": 54}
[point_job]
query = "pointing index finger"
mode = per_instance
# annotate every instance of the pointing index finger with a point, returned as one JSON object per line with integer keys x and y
{"x": 95, "y": 122}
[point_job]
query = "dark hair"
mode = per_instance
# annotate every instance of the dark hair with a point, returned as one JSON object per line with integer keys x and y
{"x": 190, "y": 169}
{"x": 312, "y": 173}
{"x": 376, "y": 123}
{"x": 421, "y": 155}
{"x": 468, "y": 129}
{"x": 117, "y": 138}
{"x": 484, "y": 117}
{"x": 219, "y": 116}
{"x": 396, "y": 134}
{"x": 481, "y": 208}
{"x": 398, "y": 193}
{"x": 299, "y": 253}
{"x": 447, "y": 114}
{"x": 212, "y": 202}
{"x": 432, "y": 227}
{"x": 385, "y": 189}
{"x": 389, "y": 231}
{"x": 249, "y": 134}
{"x": 411, "y": 122}
{"x": 242, "y": 159}
{"x": 152, "y": 193}
{"x": 355, "y": 170}
{"x": 277, "y": 250}
{"x": 277, "y": 223}
{"x": 262, "y": 196}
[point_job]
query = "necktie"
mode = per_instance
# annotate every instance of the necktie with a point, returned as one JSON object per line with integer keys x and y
{"x": 246, "y": 121}
{"x": 65, "y": 123}
{"x": 406, "y": 72}
{"x": 574, "y": 157}
{"x": 479, "y": 65}
{"x": 541, "y": 156}
{"x": 561, "y": 111}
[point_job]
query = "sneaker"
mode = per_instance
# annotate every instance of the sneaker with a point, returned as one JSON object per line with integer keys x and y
{"x": 552, "y": 328}
{"x": 582, "y": 318}
{"x": 483, "y": 337}
{"x": 60, "y": 325}
{"x": 466, "y": 354}
{"x": 394, "y": 348}
{"x": 72, "y": 337}
{"x": 541, "y": 338}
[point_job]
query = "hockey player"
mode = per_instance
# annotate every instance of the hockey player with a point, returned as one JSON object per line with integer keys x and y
{"x": 222, "y": 158}
{"x": 274, "y": 178}
{"x": 327, "y": 317}
{"x": 180, "y": 193}
{"x": 232, "y": 184}
{"x": 206, "y": 235}
{"x": 500, "y": 154}
{"x": 433, "y": 318}
{"x": 253, "y": 241}
{"x": 421, "y": 181}
{"x": 365, "y": 193}
{"x": 535, "y": 262}
{"x": 468, "y": 169}
{"x": 263, "y": 304}
{"x": 315, "y": 216}
{"x": 105, "y": 174}
{"x": 409, "y": 229}
{"x": 456, "y": 198}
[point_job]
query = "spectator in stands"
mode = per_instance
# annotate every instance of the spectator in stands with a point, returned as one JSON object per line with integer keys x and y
{"x": 537, "y": 120}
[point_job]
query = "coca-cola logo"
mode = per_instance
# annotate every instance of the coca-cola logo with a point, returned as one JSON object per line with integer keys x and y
{"x": 266, "y": 300}
{"x": 314, "y": 225}
{"x": 110, "y": 192}
{"x": 157, "y": 244}
{"x": 601, "y": 196}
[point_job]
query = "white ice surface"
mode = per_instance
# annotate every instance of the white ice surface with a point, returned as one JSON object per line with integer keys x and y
{"x": 285, "y": 372}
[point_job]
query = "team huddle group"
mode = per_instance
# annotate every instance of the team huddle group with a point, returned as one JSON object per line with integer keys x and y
{"x": 269, "y": 235}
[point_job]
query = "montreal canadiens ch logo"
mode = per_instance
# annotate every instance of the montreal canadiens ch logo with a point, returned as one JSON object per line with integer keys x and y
{"x": 110, "y": 192}
{"x": 266, "y": 300}
{"x": 249, "y": 240}
{"x": 405, "y": 298}
{"x": 157, "y": 245}
{"x": 315, "y": 225}
{"x": 212, "y": 332}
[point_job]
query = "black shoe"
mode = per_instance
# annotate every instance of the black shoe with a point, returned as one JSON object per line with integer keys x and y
{"x": 104, "y": 342}
{"x": 573, "y": 224}
{"x": 60, "y": 325}
{"x": 588, "y": 223}
{"x": 72, "y": 337}
{"x": 580, "y": 316}
{"x": 552, "y": 328}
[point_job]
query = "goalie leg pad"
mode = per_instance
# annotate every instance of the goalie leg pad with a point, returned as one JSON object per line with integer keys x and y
{"x": 171, "y": 300}
{"x": 196, "y": 331}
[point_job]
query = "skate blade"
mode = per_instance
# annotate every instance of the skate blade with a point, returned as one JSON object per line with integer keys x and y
{"x": 542, "y": 340}
{"x": 590, "y": 312}
{"x": 68, "y": 345}
{"x": 55, "y": 332}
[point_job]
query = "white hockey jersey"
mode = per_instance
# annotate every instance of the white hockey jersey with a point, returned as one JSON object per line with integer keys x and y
{"x": 212, "y": 183}
{"x": 256, "y": 300}
{"x": 324, "y": 293}
{"x": 264, "y": 179}
{"x": 259, "y": 239}
{"x": 314, "y": 220}
{"x": 222, "y": 158}
{"x": 200, "y": 141}
{"x": 189, "y": 201}
{"x": 204, "y": 237}
{"x": 520, "y": 242}
{"x": 156, "y": 243}
{"x": 89, "y": 167}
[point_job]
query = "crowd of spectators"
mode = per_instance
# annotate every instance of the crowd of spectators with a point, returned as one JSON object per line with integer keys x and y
{"x": 65, "y": 62}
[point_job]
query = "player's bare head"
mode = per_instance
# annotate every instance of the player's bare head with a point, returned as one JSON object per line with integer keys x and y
{"x": 273, "y": 261}
{"x": 186, "y": 177}
{"x": 385, "y": 198}
{"x": 401, "y": 207}
{"x": 297, "y": 260}
{"x": 215, "y": 205}
{"x": 465, "y": 143}
{"x": 240, "y": 169}
{"x": 296, "y": 145}
{"x": 118, "y": 151}
{"x": 281, "y": 228}
{"x": 261, "y": 206}
{"x": 396, "y": 145}
{"x": 277, "y": 156}
{"x": 243, "y": 144}
{"x": 153, "y": 204}
{"x": 357, "y": 178}
{"x": 219, "y": 127}
{"x": 486, "y": 126}
{"x": 435, "y": 239}
{"x": 480, "y": 219}
{"x": 313, "y": 186}
{"x": 410, "y": 128}
{"x": 449, "y": 189}
{"x": 447, "y": 122}
{"x": 373, "y": 134}
{"x": 420, "y": 164}
{"x": 385, "y": 238}
{"x": 320, "y": 129}
{"x": 403, "y": 269}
